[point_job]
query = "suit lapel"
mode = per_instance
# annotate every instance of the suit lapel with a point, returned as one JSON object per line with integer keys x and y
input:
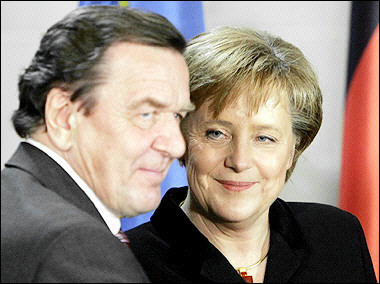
{"x": 52, "y": 176}
{"x": 282, "y": 262}
{"x": 287, "y": 245}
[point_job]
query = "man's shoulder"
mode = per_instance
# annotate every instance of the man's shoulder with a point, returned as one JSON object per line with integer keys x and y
{"x": 37, "y": 224}
{"x": 34, "y": 185}
{"x": 29, "y": 205}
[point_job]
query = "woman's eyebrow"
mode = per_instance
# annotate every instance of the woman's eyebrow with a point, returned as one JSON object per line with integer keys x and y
{"x": 222, "y": 122}
{"x": 267, "y": 127}
{"x": 260, "y": 127}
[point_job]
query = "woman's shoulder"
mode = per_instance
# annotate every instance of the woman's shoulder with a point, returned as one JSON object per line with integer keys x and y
{"x": 320, "y": 221}
{"x": 320, "y": 213}
{"x": 145, "y": 230}
{"x": 330, "y": 236}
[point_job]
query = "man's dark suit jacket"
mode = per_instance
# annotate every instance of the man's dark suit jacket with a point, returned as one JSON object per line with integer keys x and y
{"x": 309, "y": 243}
{"x": 52, "y": 232}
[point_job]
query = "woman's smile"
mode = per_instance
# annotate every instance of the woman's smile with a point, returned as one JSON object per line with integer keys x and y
{"x": 236, "y": 186}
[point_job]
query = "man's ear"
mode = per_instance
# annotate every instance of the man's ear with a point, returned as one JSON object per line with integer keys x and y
{"x": 59, "y": 118}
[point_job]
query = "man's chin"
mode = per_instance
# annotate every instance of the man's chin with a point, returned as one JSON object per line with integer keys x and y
{"x": 149, "y": 204}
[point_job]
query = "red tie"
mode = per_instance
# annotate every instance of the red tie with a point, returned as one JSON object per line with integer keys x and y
{"x": 122, "y": 237}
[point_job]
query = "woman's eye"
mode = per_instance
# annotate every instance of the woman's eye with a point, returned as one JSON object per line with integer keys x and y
{"x": 215, "y": 134}
{"x": 263, "y": 138}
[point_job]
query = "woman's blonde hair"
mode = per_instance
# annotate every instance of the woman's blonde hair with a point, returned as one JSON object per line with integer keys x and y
{"x": 230, "y": 62}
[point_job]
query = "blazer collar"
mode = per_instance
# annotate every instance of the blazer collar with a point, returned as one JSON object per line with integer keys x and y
{"x": 34, "y": 161}
{"x": 287, "y": 246}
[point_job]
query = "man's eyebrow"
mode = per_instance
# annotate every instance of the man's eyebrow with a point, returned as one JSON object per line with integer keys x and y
{"x": 147, "y": 101}
{"x": 158, "y": 104}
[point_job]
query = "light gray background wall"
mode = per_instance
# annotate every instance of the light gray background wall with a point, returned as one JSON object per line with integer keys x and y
{"x": 319, "y": 28}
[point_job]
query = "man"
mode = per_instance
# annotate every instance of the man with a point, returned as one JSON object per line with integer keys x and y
{"x": 100, "y": 107}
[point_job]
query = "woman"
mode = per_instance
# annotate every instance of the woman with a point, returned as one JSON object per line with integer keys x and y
{"x": 258, "y": 107}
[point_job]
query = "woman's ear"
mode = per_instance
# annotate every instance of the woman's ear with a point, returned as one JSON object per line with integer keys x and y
{"x": 292, "y": 152}
{"x": 59, "y": 118}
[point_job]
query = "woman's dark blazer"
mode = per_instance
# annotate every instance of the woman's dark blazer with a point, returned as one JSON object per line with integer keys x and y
{"x": 52, "y": 232}
{"x": 308, "y": 243}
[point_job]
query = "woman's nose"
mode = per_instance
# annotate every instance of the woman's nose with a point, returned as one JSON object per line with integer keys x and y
{"x": 240, "y": 157}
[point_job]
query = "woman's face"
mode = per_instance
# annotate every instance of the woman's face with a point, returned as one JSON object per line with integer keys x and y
{"x": 237, "y": 163}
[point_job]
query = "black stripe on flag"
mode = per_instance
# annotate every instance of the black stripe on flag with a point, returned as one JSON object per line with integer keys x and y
{"x": 364, "y": 19}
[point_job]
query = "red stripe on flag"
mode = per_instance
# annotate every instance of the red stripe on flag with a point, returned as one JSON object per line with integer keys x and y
{"x": 360, "y": 162}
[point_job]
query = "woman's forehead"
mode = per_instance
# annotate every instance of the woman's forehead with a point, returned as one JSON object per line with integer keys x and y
{"x": 248, "y": 101}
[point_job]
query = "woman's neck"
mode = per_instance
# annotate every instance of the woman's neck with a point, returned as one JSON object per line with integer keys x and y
{"x": 242, "y": 243}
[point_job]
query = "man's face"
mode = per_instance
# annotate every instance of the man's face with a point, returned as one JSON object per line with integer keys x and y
{"x": 124, "y": 148}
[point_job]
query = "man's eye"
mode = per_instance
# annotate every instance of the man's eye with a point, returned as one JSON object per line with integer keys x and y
{"x": 147, "y": 115}
{"x": 178, "y": 116}
{"x": 144, "y": 120}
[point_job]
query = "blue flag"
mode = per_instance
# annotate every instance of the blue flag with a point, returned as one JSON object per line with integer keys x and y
{"x": 87, "y": 3}
{"x": 187, "y": 17}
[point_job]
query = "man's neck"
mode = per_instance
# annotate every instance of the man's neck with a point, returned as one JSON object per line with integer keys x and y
{"x": 112, "y": 221}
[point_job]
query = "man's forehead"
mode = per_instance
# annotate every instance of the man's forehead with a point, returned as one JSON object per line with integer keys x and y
{"x": 158, "y": 102}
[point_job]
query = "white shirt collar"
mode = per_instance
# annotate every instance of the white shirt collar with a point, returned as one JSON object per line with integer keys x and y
{"x": 112, "y": 221}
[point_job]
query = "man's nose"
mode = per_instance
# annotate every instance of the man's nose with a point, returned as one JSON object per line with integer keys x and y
{"x": 169, "y": 139}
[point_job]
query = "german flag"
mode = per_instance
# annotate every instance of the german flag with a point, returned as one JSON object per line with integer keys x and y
{"x": 359, "y": 185}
